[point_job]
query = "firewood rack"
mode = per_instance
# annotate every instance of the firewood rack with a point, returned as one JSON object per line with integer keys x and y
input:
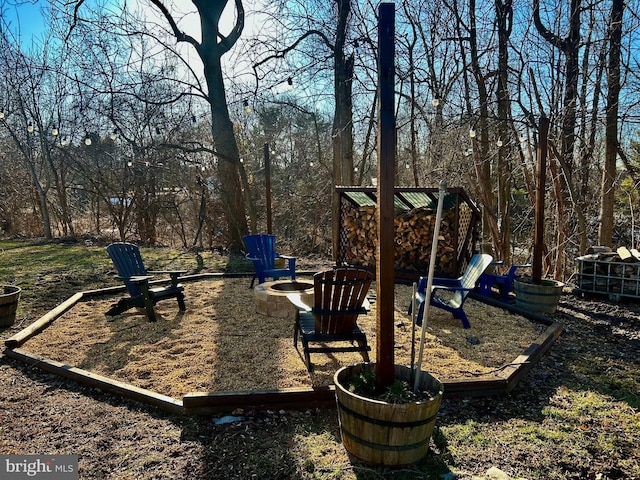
{"x": 415, "y": 210}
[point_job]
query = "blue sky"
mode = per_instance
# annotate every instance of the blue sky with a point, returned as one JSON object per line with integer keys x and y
{"x": 24, "y": 20}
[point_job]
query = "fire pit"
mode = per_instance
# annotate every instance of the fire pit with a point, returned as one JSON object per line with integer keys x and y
{"x": 271, "y": 297}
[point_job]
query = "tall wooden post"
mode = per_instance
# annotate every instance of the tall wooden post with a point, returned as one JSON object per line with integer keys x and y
{"x": 267, "y": 183}
{"x": 385, "y": 270}
{"x": 538, "y": 215}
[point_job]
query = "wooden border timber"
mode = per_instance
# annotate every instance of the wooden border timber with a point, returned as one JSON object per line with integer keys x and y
{"x": 42, "y": 323}
{"x": 285, "y": 398}
{"x": 197, "y": 403}
{"x": 98, "y": 381}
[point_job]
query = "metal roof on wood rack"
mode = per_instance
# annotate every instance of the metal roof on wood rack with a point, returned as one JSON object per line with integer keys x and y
{"x": 407, "y": 198}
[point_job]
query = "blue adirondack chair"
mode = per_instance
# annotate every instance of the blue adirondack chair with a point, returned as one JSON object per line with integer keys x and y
{"x": 504, "y": 283}
{"x": 339, "y": 296}
{"x": 262, "y": 252}
{"x": 458, "y": 289}
{"x": 128, "y": 261}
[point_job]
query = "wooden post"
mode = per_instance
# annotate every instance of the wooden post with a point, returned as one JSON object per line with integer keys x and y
{"x": 385, "y": 269}
{"x": 538, "y": 227}
{"x": 267, "y": 183}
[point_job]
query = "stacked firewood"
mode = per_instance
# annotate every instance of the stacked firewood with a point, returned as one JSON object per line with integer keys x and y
{"x": 413, "y": 237}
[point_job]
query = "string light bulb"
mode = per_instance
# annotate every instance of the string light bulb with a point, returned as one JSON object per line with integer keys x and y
{"x": 435, "y": 102}
{"x": 290, "y": 84}
{"x": 30, "y": 127}
{"x": 1, "y": 114}
{"x": 63, "y": 142}
{"x": 499, "y": 143}
{"x": 55, "y": 131}
{"x": 247, "y": 107}
{"x": 114, "y": 134}
{"x": 472, "y": 133}
{"x": 87, "y": 139}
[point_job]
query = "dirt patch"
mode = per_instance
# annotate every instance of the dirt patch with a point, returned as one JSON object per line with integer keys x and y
{"x": 221, "y": 344}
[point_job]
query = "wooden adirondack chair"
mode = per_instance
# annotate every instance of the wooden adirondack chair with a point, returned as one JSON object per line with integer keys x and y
{"x": 339, "y": 297}
{"x": 128, "y": 261}
{"x": 457, "y": 289}
{"x": 504, "y": 283}
{"x": 262, "y": 252}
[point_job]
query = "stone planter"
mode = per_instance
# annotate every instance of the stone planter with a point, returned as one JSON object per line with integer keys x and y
{"x": 384, "y": 433}
{"x": 9, "y": 296}
{"x": 542, "y": 298}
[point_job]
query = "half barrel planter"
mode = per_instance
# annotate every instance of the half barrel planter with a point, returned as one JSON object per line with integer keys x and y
{"x": 542, "y": 297}
{"x": 9, "y": 297}
{"x": 384, "y": 433}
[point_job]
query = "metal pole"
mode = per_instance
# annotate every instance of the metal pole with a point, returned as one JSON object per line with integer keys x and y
{"x": 427, "y": 292}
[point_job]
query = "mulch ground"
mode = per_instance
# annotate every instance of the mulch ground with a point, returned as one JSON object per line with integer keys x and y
{"x": 120, "y": 439}
{"x": 221, "y": 344}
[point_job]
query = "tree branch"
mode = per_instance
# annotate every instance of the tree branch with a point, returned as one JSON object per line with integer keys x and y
{"x": 549, "y": 36}
{"x": 282, "y": 53}
{"x": 179, "y": 34}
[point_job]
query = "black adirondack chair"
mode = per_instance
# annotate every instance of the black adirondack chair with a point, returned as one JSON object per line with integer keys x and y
{"x": 339, "y": 297}
{"x": 128, "y": 261}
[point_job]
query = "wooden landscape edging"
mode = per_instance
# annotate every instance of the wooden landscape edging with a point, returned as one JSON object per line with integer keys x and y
{"x": 98, "y": 381}
{"x": 197, "y": 403}
{"x": 42, "y": 323}
{"x": 524, "y": 362}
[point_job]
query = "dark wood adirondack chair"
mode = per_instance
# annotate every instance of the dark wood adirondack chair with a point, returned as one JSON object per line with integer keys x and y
{"x": 262, "y": 252}
{"x": 339, "y": 297}
{"x": 128, "y": 261}
{"x": 504, "y": 283}
{"x": 458, "y": 289}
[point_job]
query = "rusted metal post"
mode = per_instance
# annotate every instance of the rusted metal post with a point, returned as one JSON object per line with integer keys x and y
{"x": 385, "y": 269}
{"x": 538, "y": 215}
{"x": 267, "y": 183}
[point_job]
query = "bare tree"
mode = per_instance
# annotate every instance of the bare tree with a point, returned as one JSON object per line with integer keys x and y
{"x": 210, "y": 50}
{"x": 605, "y": 233}
{"x": 343, "y": 72}
{"x": 30, "y": 108}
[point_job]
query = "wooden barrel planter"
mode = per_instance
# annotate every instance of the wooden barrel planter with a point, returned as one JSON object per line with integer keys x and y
{"x": 9, "y": 296}
{"x": 543, "y": 297}
{"x": 384, "y": 433}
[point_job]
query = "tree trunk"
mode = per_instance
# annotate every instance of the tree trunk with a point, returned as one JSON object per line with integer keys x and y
{"x": 342, "y": 130}
{"x": 504, "y": 14}
{"x": 483, "y": 190}
{"x": 569, "y": 46}
{"x": 42, "y": 199}
{"x": 211, "y": 49}
{"x": 605, "y": 233}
